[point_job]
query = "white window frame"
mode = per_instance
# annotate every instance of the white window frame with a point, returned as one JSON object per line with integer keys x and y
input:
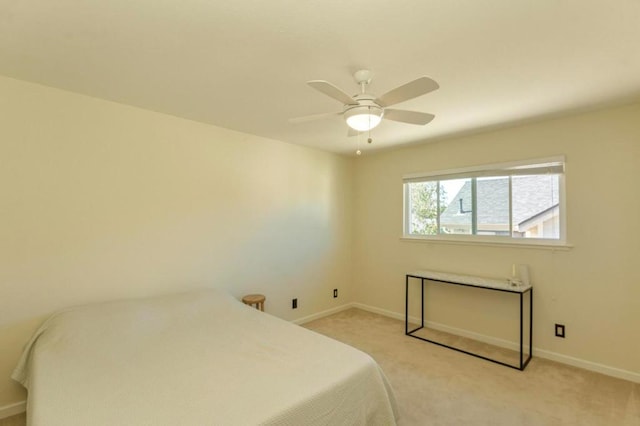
{"x": 556, "y": 165}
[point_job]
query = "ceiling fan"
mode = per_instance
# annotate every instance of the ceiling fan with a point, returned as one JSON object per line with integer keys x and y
{"x": 364, "y": 111}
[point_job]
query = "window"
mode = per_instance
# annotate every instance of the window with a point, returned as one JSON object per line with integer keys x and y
{"x": 505, "y": 202}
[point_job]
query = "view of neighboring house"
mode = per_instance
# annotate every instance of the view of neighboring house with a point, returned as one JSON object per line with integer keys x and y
{"x": 535, "y": 204}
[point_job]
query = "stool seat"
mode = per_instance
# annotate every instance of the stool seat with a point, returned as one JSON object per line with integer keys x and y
{"x": 254, "y": 299}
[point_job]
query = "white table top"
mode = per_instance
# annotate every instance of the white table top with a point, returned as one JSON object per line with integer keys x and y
{"x": 495, "y": 283}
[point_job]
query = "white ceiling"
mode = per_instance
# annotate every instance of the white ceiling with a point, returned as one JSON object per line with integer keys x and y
{"x": 243, "y": 64}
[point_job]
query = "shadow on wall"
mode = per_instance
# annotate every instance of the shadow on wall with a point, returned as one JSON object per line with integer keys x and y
{"x": 288, "y": 253}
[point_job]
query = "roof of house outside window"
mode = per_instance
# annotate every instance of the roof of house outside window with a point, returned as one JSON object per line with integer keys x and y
{"x": 532, "y": 195}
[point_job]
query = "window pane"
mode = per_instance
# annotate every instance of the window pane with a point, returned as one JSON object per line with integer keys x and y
{"x": 423, "y": 199}
{"x": 536, "y": 212}
{"x": 493, "y": 206}
{"x": 455, "y": 195}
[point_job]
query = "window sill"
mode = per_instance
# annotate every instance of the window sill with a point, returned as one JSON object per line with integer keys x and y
{"x": 485, "y": 243}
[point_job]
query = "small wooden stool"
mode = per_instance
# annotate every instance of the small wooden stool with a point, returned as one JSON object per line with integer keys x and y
{"x": 254, "y": 299}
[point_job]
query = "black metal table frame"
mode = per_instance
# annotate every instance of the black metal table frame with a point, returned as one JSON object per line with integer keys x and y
{"x": 523, "y": 362}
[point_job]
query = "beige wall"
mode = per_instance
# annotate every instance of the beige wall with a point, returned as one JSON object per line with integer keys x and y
{"x": 101, "y": 201}
{"x": 593, "y": 288}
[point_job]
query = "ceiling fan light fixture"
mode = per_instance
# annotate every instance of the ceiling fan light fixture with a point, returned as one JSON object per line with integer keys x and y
{"x": 363, "y": 118}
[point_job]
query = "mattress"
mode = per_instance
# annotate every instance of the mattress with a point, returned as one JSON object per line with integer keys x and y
{"x": 198, "y": 358}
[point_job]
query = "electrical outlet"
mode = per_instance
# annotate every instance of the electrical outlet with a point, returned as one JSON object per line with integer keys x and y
{"x": 560, "y": 330}
{"x": 294, "y": 303}
{"x": 335, "y": 293}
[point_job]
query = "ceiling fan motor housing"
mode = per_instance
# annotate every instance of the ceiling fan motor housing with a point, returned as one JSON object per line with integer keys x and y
{"x": 364, "y": 116}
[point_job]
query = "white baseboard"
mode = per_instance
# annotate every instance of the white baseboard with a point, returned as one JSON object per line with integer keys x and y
{"x": 542, "y": 353}
{"x": 322, "y": 314}
{"x": 13, "y": 409}
{"x": 588, "y": 365}
{"x": 502, "y": 343}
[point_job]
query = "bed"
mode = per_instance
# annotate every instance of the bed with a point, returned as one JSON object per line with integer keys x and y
{"x": 197, "y": 358}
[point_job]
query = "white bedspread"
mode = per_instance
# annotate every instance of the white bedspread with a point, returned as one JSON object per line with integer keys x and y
{"x": 199, "y": 358}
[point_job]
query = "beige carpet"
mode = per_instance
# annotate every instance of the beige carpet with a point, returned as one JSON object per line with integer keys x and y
{"x": 438, "y": 386}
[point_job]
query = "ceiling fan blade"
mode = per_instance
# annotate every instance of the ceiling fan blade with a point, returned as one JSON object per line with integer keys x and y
{"x": 313, "y": 117}
{"x": 332, "y": 91}
{"x": 407, "y": 91}
{"x": 411, "y": 117}
{"x": 352, "y": 132}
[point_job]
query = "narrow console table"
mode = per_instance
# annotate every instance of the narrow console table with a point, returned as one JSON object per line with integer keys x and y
{"x": 470, "y": 281}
